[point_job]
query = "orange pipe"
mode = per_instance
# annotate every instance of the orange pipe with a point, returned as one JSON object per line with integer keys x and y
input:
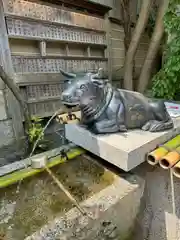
{"x": 176, "y": 170}
{"x": 169, "y": 160}
{"x": 155, "y": 156}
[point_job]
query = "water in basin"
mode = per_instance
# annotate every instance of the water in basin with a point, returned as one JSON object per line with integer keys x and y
{"x": 39, "y": 200}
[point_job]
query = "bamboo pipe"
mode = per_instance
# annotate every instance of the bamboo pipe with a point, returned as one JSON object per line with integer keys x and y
{"x": 66, "y": 118}
{"x": 169, "y": 160}
{"x": 176, "y": 170}
{"x": 155, "y": 156}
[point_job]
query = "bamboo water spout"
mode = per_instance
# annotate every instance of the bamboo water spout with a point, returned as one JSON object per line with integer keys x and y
{"x": 155, "y": 156}
{"x": 169, "y": 160}
{"x": 66, "y": 118}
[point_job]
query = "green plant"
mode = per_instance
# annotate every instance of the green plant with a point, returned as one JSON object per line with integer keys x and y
{"x": 35, "y": 131}
{"x": 166, "y": 83}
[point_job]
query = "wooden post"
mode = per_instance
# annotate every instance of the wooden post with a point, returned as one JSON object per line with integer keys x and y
{"x": 109, "y": 46}
{"x": 13, "y": 109}
{"x": 15, "y": 90}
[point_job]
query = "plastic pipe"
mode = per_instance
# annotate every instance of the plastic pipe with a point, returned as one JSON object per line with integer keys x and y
{"x": 169, "y": 160}
{"x": 155, "y": 156}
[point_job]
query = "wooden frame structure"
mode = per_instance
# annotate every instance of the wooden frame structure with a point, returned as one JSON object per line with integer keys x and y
{"x": 82, "y": 44}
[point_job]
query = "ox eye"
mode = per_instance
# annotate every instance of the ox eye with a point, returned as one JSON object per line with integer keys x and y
{"x": 83, "y": 87}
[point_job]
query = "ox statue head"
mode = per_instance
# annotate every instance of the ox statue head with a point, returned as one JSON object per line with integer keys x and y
{"x": 75, "y": 86}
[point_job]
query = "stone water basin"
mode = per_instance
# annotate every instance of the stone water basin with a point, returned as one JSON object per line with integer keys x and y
{"x": 25, "y": 208}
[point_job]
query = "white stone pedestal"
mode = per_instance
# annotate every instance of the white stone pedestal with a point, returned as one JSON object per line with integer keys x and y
{"x": 124, "y": 150}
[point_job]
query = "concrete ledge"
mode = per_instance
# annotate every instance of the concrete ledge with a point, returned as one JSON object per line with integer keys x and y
{"x": 111, "y": 212}
{"x": 126, "y": 150}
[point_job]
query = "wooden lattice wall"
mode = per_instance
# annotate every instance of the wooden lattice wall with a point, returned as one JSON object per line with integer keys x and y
{"x": 46, "y": 38}
{"x": 38, "y": 22}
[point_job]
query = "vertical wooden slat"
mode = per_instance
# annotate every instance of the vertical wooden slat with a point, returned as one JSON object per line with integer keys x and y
{"x": 67, "y": 50}
{"x": 89, "y": 51}
{"x": 5, "y": 60}
{"x": 42, "y": 48}
{"x": 109, "y": 46}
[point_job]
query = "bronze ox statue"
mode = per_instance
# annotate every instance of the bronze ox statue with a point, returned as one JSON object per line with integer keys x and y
{"x": 106, "y": 109}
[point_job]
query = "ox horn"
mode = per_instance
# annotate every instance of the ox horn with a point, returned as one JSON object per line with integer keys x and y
{"x": 67, "y": 75}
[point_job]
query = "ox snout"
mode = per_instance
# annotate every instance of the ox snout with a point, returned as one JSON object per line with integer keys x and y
{"x": 66, "y": 98}
{"x": 69, "y": 100}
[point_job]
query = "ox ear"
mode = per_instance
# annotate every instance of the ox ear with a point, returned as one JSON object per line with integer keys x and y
{"x": 100, "y": 82}
{"x": 101, "y": 74}
{"x": 99, "y": 78}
